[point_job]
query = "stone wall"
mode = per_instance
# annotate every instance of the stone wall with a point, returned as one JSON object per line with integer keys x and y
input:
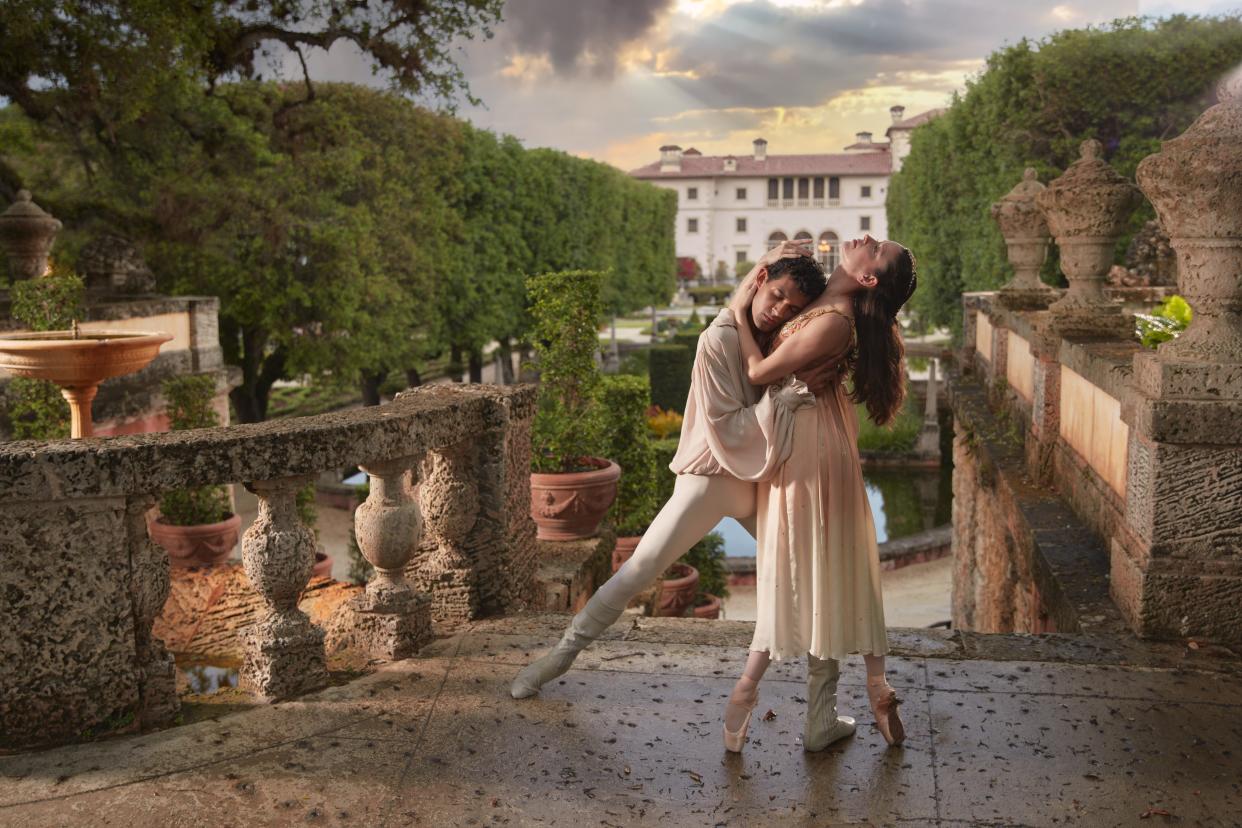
{"x": 82, "y": 583}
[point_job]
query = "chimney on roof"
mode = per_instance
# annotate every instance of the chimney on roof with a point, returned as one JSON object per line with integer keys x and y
{"x": 670, "y": 158}
{"x": 862, "y": 137}
{"x": 761, "y": 149}
{"x": 898, "y": 112}
{"x": 730, "y": 163}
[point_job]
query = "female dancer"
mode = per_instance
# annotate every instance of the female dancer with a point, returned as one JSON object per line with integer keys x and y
{"x": 818, "y": 570}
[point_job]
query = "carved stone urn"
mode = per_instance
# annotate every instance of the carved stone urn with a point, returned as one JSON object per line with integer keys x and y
{"x": 26, "y": 234}
{"x": 1026, "y": 240}
{"x": 1086, "y": 210}
{"x": 1195, "y": 184}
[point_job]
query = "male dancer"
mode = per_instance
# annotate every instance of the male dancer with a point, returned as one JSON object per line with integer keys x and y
{"x": 732, "y": 437}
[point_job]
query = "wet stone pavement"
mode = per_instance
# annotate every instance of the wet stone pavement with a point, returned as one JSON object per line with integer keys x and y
{"x": 631, "y": 736}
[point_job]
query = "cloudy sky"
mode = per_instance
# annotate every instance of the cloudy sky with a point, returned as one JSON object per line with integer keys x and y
{"x": 615, "y": 79}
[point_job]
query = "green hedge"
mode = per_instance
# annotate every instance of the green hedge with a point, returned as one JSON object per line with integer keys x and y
{"x": 669, "y": 367}
{"x": 664, "y": 479}
{"x": 624, "y": 401}
{"x": 709, "y": 294}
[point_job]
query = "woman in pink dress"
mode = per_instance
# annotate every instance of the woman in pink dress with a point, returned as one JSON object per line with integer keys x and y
{"x": 818, "y": 570}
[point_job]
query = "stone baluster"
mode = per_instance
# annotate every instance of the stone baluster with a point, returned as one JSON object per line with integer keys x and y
{"x": 284, "y": 650}
{"x": 391, "y": 619}
{"x": 149, "y": 587}
{"x": 1026, "y": 240}
{"x": 1175, "y": 567}
{"x": 1086, "y": 210}
{"x": 26, "y": 234}
{"x": 450, "y": 500}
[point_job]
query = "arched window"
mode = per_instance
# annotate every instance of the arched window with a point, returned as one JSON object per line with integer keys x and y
{"x": 828, "y": 251}
{"x": 776, "y": 238}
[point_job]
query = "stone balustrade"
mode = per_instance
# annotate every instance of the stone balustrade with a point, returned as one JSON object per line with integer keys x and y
{"x": 82, "y": 582}
{"x": 1142, "y": 445}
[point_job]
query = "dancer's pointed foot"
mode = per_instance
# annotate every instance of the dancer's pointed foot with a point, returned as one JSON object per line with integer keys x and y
{"x": 884, "y": 704}
{"x": 738, "y": 710}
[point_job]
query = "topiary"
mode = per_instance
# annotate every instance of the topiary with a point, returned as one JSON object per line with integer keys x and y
{"x": 565, "y": 307}
{"x": 625, "y": 399}
{"x": 189, "y": 401}
{"x": 669, "y": 368}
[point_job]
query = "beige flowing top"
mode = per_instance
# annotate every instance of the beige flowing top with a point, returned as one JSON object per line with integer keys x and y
{"x": 731, "y": 427}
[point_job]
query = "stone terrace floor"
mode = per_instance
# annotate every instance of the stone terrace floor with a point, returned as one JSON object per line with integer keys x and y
{"x": 1003, "y": 730}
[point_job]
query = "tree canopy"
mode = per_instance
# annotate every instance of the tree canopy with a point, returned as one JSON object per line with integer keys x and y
{"x": 1130, "y": 84}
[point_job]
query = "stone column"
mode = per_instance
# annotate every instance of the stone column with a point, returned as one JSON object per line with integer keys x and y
{"x": 1176, "y": 568}
{"x": 27, "y": 234}
{"x": 450, "y": 501}
{"x": 390, "y": 620}
{"x": 1026, "y": 239}
{"x": 284, "y": 651}
{"x": 149, "y": 587}
{"x": 928, "y": 444}
{"x": 1086, "y": 210}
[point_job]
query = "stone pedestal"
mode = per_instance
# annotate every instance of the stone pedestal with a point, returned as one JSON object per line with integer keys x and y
{"x": 1178, "y": 564}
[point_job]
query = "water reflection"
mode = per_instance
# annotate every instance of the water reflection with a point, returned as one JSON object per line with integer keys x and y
{"x": 903, "y": 502}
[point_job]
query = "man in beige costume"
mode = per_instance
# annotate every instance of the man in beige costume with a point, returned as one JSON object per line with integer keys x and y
{"x": 733, "y": 436}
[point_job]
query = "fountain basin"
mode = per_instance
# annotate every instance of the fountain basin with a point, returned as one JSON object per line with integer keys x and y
{"x": 78, "y": 362}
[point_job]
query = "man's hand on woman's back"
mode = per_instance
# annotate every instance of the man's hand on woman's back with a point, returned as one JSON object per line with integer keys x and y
{"x": 821, "y": 376}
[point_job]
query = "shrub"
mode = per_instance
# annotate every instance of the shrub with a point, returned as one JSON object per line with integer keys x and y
{"x": 670, "y": 367}
{"x": 898, "y": 436}
{"x": 564, "y": 309}
{"x": 624, "y": 401}
{"x": 664, "y": 451}
{"x": 1164, "y": 323}
{"x": 635, "y": 363}
{"x": 741, "y": 269}
{"x": 709, "y": 294}
{"x": 189, "y": 400}
{"x": 708, "y": 557}
{"x": 36, "y": 408}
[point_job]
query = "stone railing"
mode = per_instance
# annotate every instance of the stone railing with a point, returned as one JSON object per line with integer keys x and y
{"x": 82, "y": 582}
{"x": 1143, "y": 445}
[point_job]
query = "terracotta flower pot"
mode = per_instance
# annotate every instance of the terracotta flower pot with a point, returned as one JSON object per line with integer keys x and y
{"x": 709, "y": 610}
{"x": 571, "y": 505}
{"x": 624, "y": 549}
{"x": 202, "y": 545}
{"x": 323, "y": 564}
{"x": 677, "y": 590}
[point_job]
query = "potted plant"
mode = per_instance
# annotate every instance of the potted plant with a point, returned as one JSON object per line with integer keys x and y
{"x": 678, "y": 586}
{"x": 708, "y": 557}
{"x": 625, "y": 440}
{"x": 195, "y": 525}
{"x": 571, "y": 488}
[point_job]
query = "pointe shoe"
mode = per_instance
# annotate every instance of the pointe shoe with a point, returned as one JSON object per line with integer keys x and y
{"x": 733, "y": 740}
{"x": 585, "y": 627}
{"x": 823, "y": 725}
{"x": 884, "y": 703}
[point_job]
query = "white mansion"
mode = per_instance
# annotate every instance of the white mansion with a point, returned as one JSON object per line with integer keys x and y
{"x": 731, "y": 208}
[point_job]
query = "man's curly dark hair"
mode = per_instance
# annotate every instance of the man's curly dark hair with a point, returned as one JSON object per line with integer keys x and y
{"x": 805, "y": 272}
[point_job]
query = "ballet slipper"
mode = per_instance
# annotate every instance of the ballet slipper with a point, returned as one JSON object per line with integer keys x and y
{"x": 823, "y": 725}
{"x": 733, "y": 740}
{"x": 585, "y": 627}
{"x": 884, "y": 703}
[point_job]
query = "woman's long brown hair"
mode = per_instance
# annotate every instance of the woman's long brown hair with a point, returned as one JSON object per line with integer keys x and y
{"x": 879, "y": 358}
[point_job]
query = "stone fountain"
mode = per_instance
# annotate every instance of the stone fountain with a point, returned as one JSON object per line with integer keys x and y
{"x": 77, "y": 361}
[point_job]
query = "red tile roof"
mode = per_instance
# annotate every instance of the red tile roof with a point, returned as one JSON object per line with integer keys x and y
{"x": 705, "y": 166}
{"x": 914, "y": 120}
{"x": 871, "y": 145}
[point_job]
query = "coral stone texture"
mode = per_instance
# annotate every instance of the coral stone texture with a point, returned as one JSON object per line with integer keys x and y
{"x": 82, "y": 583}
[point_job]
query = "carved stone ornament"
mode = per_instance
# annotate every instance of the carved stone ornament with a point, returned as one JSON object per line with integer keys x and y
{"x": 1026, "y": 240}
{"x": 1195, "y": 184}
{"x": 26, "y": 234}
{"x": 1086, "y": 210}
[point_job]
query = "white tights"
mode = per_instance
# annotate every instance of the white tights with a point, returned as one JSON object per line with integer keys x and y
{"x": 699, "y": 502}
